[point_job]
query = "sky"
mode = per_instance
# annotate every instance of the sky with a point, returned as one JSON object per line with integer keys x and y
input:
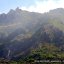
{"x": 40, "y": 6}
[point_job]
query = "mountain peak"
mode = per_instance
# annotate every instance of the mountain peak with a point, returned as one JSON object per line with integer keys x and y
{"x": 11, "y": 11}
{"x": 58, "y": 10}
{"x": 18, "y": 9}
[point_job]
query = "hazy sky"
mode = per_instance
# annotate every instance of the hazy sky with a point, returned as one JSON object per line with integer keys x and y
{"x": 31, "y": 5}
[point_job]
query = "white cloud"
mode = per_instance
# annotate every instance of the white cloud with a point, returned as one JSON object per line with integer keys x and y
{"x": 42, "y": 6}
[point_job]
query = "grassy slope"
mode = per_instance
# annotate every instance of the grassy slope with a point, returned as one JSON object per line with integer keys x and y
{"x": 57, "y": 24}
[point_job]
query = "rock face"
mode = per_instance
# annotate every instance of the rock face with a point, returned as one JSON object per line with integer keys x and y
{"x": 22, "y": 30}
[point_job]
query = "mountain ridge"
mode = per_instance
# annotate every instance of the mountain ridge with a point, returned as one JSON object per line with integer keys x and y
{"x": 20, "y": 31}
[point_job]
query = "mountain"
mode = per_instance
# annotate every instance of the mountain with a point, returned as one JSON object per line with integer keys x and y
{"x": 21, "y": 31}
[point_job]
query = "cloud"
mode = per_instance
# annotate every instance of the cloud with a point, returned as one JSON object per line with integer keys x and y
{"x": 42, "y": 6}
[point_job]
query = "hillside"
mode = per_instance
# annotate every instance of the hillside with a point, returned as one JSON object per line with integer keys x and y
{"x": 21, "y": 31}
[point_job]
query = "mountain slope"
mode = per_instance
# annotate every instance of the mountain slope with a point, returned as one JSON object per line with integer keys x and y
{"x": 20, "y": 31}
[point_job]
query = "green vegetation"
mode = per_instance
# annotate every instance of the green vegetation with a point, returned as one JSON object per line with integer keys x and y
{"x": 56, "y": 23}
{"x": 45, "y": 51}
